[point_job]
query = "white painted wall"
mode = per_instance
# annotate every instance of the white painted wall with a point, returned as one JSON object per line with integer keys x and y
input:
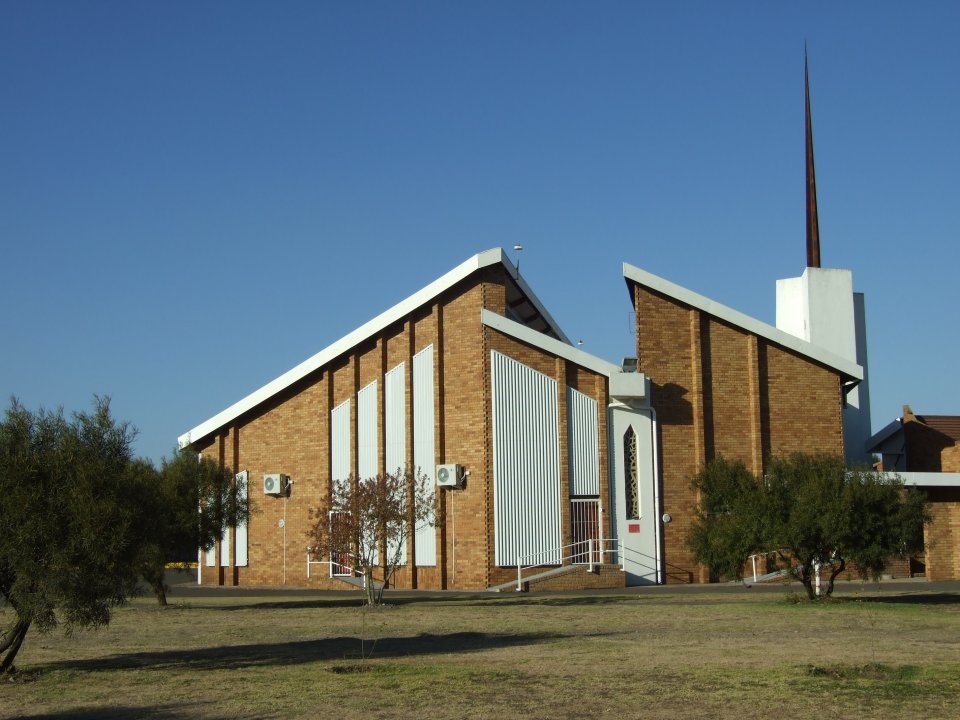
{"x": 821, "y": 308}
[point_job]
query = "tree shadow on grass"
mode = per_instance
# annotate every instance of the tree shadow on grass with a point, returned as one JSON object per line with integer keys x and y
{"x": 329, "y": 603}
{"x": 906, "y": 599}
{"x": 120, "y": 712}
{"x": 551, "y": 601}
{"x": 466, "y": 599}
{"x": 303, "y": 651}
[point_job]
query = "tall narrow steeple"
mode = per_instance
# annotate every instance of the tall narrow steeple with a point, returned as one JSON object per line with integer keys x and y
{"x": 813, "y": 227}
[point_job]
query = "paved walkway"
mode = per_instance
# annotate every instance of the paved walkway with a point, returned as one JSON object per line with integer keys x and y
{"x": 183, "y": 587}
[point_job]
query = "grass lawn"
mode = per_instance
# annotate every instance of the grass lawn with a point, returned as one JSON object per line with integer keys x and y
{"x": 630, "y": 655}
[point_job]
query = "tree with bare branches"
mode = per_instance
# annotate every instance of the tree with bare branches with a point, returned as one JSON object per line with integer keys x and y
{"x": 365, "y": 524}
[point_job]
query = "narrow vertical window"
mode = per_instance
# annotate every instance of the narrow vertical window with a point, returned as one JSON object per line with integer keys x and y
{"x": 631, "y": 485}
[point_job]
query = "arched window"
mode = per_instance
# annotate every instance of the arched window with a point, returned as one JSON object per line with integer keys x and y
{"x": 631, "y": 482}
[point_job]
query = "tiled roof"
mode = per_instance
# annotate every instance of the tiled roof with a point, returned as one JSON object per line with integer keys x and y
{"x": 949, "y": 425}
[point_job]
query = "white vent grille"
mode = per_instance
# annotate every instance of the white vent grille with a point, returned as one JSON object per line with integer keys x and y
{"x": 584, "y": 447}
{"x": 526, "y": 464}
{"x": 424, "y": 458}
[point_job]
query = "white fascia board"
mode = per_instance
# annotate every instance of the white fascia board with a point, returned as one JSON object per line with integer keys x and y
{"x": 546, "y": 343}
{"x": 367, "y": 330}
{"x": 743, "y": 321}
{"x": 927, "y": 479}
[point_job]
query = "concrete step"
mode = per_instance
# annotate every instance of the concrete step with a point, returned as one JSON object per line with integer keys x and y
{"x": 560, "y": 570}
{"x": 356, "y": 581}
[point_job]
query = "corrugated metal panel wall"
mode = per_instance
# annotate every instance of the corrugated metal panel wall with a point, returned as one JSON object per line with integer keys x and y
{"x": 424, "y": 459}
{"x": 584, "y": 445}
{"x": 526, "y": 463}
{"x": 367, "y": 431}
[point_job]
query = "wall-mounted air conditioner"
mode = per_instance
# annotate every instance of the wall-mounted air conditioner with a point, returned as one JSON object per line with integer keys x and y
{"x": 449, "y": 476}
{"x": 275, "y": 484}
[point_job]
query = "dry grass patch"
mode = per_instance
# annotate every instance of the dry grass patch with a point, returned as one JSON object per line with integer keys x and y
{"x": 544, "y": 656}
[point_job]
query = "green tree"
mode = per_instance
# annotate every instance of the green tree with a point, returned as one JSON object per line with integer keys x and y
{"x": 728, "y": 525}
{"x": 69, "y": 539}
{"x": 364, "y": 524}
{"x": 810, "y": 510}
{"x": 187, "y": 506}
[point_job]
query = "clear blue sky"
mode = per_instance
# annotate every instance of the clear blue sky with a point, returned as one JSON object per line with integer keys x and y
{"x": 196, "y": 196}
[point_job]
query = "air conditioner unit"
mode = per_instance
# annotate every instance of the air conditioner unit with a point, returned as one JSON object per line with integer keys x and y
{"x": 450, "y": 476}
{"x": 274, "y": 484}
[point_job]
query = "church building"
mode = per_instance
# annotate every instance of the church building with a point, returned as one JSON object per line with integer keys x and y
{"x": 574, "y": 469}
{"x": 554, "y": 468}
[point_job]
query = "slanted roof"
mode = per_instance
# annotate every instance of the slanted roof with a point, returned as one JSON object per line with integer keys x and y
{"x": 884, "y": 434}
{"x": 948, "y": 425}
{"x": 520, "y": 298}
{"x": 850, "y": 371}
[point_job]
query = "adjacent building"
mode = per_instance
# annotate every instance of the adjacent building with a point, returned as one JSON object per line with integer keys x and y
{"x": 923, "y": 451}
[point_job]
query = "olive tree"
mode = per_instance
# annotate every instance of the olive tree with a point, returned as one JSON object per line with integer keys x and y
{"x": 809, "y": 510}
{"x": 69, "y": 540}
{"x": 188, "y": 504}
{"x": 728, "y": 527}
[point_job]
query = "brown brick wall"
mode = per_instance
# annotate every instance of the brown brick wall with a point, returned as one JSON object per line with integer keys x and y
{"x": 942, "y": 534}
{"x": 667, "y": 339}
{"x": 805, "y": 412}
{"x": 929, "y": 450}
{"x": 950, "y": 458}
{"x": 464, "y": 439}
{"x": 604, "y": 577}
{"x": 287, "y": 436}
{"x": 718, "y": 389}
{"x": 290, "y": 434}
{"x": 728, "y": 425}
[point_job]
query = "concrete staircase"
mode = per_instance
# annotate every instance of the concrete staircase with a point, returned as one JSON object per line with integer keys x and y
{"x": 525, "y": 581}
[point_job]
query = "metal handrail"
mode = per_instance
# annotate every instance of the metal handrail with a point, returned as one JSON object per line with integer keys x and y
{"x": 753, "y": 560}
{"x": 351, "y": 571}
{"x": 594, "y": 547}
{"x": 624, "y": 550}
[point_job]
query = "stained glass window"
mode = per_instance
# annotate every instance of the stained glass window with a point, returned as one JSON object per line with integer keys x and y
{"x": 631, "y": 481}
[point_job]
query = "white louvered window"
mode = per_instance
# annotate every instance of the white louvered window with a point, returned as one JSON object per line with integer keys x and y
{"x": 526, "y": 464}
{"x": 583, "y": 444}
{"x": 240, "y": 534}
{"x": 367, "y": 431}
{"x": 340, "y": 459}
{"x": 395, "y": 433}
{"x": 424, "y": 458}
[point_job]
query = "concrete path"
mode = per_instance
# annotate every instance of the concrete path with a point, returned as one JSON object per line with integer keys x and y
{"x": 183, "y": 587}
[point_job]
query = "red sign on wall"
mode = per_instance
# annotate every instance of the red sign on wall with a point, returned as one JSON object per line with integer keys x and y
{"x": 633, "y": 527}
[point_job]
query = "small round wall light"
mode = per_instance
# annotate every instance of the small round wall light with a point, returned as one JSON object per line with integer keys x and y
{"x": 666, "y": 518}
